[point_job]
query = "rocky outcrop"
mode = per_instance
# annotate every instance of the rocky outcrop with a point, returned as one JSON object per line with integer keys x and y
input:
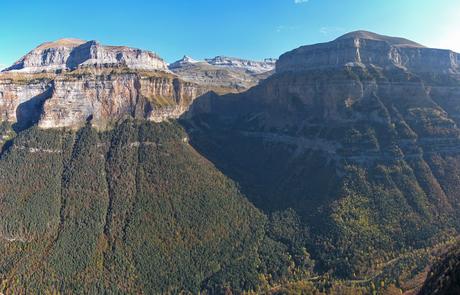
{"x": 186, "y": 60}
{"x": 223, "y": 74}
{"x": 102, "y": 95}
{"x": 366, "y": 121}
{"x": 69, "y": 54}
{"x": 106, "y": 96}
{"x": 68, "y": 82}
{"x": 19, "y": 92}
{"x": 357, "y": 77}
{"x": 369, "y": 49}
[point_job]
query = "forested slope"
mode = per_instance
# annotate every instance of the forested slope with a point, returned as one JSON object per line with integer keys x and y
{"x": 132, "y": 210}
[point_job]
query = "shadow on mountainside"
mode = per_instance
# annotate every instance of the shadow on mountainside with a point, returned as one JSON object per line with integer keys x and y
{"x": 268, "y": 167}
{"x": 79, "y": 54}
{"x": 210, "y": 128}
{"x": 28, "y": 113}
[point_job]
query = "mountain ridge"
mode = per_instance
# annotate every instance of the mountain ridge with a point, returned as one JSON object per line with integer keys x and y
{"x": 367, "y": 153}
{"x": 65, "y": 82}
{"x": 340, "y": 166}
{"x": 227, "y": 72}
{"x": 364, "y": 49}
{"x": 361, "y": 34}
{"x": 63, "y": 42}
{"x": 69, "y": 54}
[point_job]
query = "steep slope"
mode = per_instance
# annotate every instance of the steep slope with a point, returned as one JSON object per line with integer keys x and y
{"x": 69, "y": 81}
{"x": 444, "y": 276}
{"x": 363, "y": 144}
{"x": 103, "y": 95}
{"x": 132, "y": 210}
{"x": 351, "y": 149}
{"x": 69, "y": 54}
{"x": 363, "y": 48}
{"x": 108, "y": 95}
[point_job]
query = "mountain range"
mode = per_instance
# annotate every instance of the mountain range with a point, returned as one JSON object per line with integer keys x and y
{"x": 225, "y": 72}
{"x": 331, "y": 170}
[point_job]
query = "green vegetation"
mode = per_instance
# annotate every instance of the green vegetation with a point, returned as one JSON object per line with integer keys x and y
{"x": 374, "y": 179}
{"x": 358, "y": 207}
{"x": 134, "y": 210}
{"x": 21, "y": 78}
{"x": 6, "y": 135}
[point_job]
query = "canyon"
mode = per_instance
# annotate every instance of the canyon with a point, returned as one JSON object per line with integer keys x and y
{"x": 360, "y": 135}
{"x": 69, "y": 81}
{"x": 335, "y": 167}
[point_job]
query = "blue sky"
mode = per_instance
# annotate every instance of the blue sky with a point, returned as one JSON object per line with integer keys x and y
{"x": 252, "y": 29}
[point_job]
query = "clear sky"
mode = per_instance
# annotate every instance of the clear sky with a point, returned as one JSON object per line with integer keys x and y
{"x": 252, "y": 29}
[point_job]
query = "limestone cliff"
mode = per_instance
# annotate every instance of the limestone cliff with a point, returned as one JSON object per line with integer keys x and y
{"x": 69, "y": 81}
{"x": 21, "y": 96}
{"x": 105, "y": 96}
{"x": 351, "y": 79}
{"x": 360, "y": 135}
{"x": 369, "y": 49}
{"x": 100, "y": 95}
{"x": 69, "y": 54}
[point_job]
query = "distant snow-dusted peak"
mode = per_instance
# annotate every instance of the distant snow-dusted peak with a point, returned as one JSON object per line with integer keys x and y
{"x": 249, "y": 65}
{"x": 222, "y": 71}
{"x": 232, "y": 63}
{"x": 186, "y": 60}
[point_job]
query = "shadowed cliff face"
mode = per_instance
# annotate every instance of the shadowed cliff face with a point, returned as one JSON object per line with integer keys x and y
{"x": 327, "y": 119}
{"x": 444, "y": 276}
{"x": 29, "y": 112}
{"x": 366, "y": 151}
{"x": 18, "y": 89}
